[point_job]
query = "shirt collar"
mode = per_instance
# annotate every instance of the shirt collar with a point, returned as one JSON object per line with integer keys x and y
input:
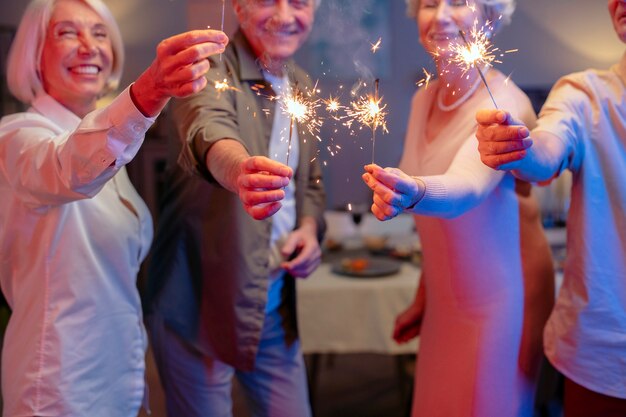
{"x": 53, "y": 110}
{"x": 620, "y": 69}
{"x": 249, "y": 66}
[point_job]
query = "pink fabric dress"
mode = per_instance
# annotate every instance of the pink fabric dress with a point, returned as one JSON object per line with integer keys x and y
{"x": 486, "y": 294}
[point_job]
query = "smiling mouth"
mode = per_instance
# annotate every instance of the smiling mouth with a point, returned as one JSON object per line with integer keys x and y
{"x": 443, "y": 36}
{"x": 85, "y": 69}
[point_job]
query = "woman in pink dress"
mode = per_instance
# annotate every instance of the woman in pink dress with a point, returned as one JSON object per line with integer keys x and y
{"x": 487, "y": 282}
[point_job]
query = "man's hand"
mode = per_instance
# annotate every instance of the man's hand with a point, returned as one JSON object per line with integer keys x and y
{"x": 394, "y": 191}
{"x": 260, "y": 185}
{"x": 502, "y": 140}
{"x": 303, "y": 246}
{"x": 409, "y": 323}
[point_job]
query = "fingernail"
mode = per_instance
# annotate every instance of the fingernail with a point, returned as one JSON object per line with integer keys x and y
{"x": 527, "y": 142}
{"x": 524, "y": 132}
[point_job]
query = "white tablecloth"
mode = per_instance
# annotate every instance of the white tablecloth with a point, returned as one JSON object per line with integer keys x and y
{"x": 339, "y": 314}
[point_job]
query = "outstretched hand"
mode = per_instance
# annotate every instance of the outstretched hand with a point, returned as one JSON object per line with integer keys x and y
{"x": 394, "y": 191}
{"x": 260, "y": 185}
{"x": 178, "y": 69}
{"x": 502, "y": 140}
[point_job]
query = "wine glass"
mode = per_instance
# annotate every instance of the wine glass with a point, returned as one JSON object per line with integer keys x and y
{"x": 357, "y": 212}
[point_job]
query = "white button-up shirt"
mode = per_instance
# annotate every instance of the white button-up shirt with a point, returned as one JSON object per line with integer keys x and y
{"x": 585, "y": 337}
{"x": 73, "y": 234}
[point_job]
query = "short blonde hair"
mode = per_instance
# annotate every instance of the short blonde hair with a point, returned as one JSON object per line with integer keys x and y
{"x": 23, "y": 65}
{"x": 492, "y": 10}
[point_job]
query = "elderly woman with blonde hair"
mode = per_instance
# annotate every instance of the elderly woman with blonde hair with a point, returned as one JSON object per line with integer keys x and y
{"x": 487, "y": 278}
{"x": 74, "y": 230}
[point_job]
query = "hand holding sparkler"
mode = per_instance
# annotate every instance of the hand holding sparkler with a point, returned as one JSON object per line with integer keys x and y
{"x": 503, "y": 141}
{"x": 258, "y": 181}
{"x": 260, "y": 185}
{"x": 394, "y": 191}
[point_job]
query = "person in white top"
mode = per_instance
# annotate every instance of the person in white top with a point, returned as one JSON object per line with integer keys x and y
{"x": 74, "y": 230}
{"x": 582, "y": 128}
{"x": 487, "y": 283}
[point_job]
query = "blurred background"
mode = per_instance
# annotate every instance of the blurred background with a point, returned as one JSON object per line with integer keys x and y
{"x": 552, "y": 38}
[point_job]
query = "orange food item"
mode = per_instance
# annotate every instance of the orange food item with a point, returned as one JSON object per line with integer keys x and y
{"x": 355, "y": 264}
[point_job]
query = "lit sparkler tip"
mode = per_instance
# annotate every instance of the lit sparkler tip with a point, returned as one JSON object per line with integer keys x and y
{"x": 478, "y": 52}
{"x": 368, "y": 111}
{"x": 475, "y": 52}
{"x": 300, "y": 108}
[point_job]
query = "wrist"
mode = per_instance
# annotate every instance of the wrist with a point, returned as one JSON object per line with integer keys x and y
{"x": 145, "y": 96}
{"x": 309, "y": 225}
{"x": 225, "y": 160}
{"x": 421, "y": 190}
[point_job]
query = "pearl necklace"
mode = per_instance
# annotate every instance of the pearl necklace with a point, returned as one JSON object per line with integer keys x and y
{"x": 461, "y": 99}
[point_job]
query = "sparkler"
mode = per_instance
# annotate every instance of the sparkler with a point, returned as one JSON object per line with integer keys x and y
{"x": 301, "y": 109}
{"x": 369, "y": 112}
{"x": 222, "y": 26}
{"x": 477, "y": 52}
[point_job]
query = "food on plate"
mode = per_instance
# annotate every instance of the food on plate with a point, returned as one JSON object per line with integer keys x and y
{"x": 355, "y": 264}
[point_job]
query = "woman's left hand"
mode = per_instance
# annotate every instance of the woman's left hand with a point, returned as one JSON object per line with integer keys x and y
{"x": 394, "y": 191}
{"x": 178, "y": 69}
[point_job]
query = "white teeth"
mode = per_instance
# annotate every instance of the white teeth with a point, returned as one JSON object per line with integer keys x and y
{"x": 86, "y": 69}
{"x": 441, "y": 37}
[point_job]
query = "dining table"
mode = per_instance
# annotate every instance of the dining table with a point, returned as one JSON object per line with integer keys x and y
{"x": 340, "y": 313}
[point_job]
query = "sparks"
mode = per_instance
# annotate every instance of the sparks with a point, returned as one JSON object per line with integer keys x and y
{"x": 302, "y": 109}
{"x": 376, "y": 46}
{"x": 426, "y": 80}
{"x": 332, "y": 105}
{"x": 478, "y": 51}
{"x": 224, "y": 86}
{"x": 368, "y": 111}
